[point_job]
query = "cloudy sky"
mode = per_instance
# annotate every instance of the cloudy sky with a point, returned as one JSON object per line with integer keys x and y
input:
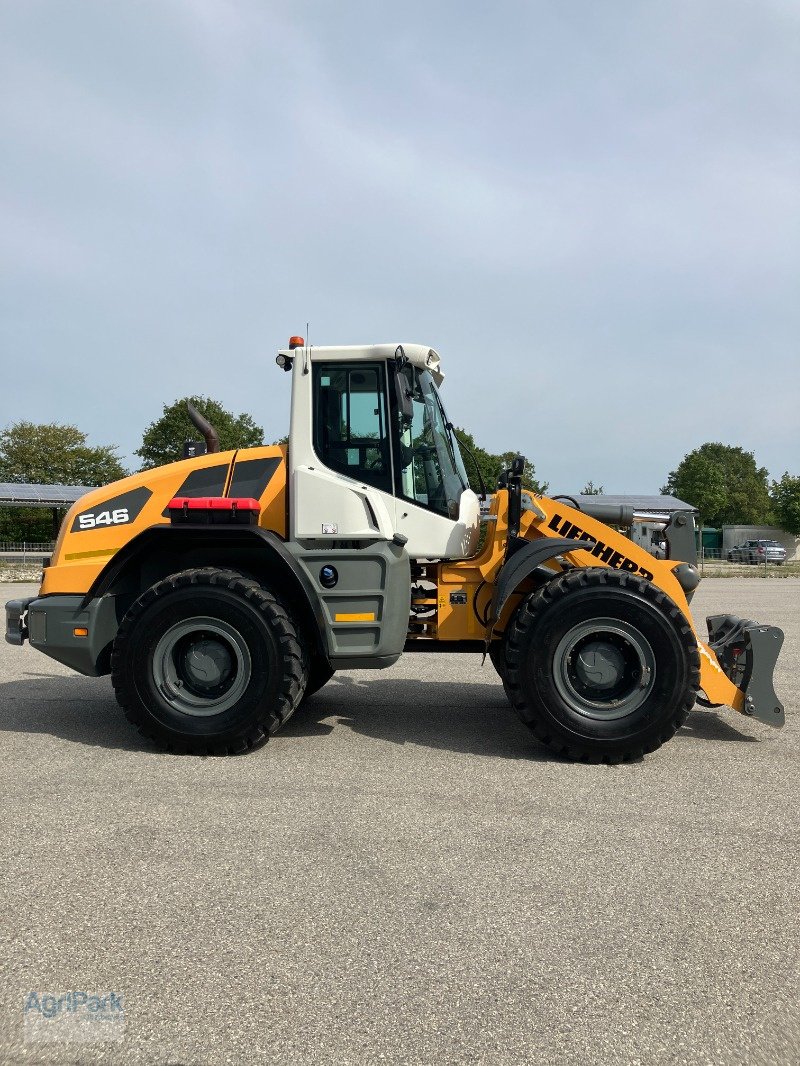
{"x": 591, "y": 211}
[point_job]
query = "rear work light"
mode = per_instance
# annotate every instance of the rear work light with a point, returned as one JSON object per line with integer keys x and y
{"x": 214, "y": 510}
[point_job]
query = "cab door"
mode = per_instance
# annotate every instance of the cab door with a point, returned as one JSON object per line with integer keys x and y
{"x": 340, "y": 453}
{"x": 362, "y": 468}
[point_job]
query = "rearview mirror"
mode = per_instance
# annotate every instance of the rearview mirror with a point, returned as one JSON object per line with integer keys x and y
{"x": 402, "y": 391}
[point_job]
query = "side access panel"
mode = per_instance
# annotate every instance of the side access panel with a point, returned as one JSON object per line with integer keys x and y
{"x": 365, "y": 595}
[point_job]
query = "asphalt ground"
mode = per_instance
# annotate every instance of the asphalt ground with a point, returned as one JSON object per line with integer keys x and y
{"x": 404, "y": 876}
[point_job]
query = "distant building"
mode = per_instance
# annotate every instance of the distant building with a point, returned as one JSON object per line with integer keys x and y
{"x": 59, "y": 496}
{"x": 55, "y": 498}
{"x": 658, "y": 506}
{"x": 735, "y": 535}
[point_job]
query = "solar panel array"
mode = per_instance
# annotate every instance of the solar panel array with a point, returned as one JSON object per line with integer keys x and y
{"x": 40, "y": 495}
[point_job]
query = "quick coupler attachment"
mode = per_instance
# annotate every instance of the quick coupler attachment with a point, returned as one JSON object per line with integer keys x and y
{"x": 747, "y": 652}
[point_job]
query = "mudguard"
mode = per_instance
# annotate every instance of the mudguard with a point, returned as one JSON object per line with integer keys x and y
{"x": 522, "y": 564}
{"x": 246, "y": 544}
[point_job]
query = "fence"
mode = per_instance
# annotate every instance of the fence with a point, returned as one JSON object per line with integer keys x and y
{"x": 711, "y": 553}
{"x": 721, "y": 564}
{"x": 25, "y": 551}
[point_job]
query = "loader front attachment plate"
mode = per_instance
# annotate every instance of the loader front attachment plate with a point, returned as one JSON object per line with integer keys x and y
{"x": 747, "y": 653}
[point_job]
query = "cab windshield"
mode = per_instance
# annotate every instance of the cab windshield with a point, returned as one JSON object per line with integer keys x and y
{"x": 431, "y": 470}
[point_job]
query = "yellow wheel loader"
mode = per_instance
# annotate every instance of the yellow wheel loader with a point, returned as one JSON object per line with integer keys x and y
{"x": 220, "y": 591}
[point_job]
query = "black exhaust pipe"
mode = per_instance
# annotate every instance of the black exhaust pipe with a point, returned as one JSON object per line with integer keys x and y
{"x": 210, "y": 435}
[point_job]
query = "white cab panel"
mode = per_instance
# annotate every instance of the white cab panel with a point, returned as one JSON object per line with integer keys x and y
{"x": 328, "y": 506}
{"x": 432, "y": 536}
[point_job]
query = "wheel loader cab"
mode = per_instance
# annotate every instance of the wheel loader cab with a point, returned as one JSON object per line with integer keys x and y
{"x": 372, "y": 455}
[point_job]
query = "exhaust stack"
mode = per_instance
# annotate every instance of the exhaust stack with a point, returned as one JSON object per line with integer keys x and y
{"x": 210, "y": 435}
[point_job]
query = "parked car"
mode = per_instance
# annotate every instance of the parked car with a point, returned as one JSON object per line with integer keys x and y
{"x": 758, "y": 551}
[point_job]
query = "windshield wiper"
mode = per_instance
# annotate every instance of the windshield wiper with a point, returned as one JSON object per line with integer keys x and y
{"x": 452, "y": 429}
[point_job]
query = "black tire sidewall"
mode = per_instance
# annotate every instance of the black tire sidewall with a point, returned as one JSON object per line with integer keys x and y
{"x": 497, "y": 656}
{"x": 319, "y": 674}
{"x": 266, "y": 672}
{"x": 537, "y": 664}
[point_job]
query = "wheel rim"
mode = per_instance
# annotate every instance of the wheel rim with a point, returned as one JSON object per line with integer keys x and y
{"x": 604, "y": 669}
{"x": 202, "y": 666}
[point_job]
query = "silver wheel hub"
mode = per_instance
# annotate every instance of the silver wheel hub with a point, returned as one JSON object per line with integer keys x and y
{"x": 600, "y": 664}
{"x": 202, "y": 666}
{"x": 604, "y": 668}
{"x": 208, "y": 661}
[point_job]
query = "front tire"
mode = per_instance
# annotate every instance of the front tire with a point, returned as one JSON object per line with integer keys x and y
{"x": 497, "y": 655}
{"x": 209, "y": 662}
{"x": 601, "y": 665}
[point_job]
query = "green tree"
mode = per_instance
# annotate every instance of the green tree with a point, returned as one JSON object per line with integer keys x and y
{"x": 31, "y": 524}
{"x": 786, "y": 503}
{"x": 53, "y": 454}
{"x": 162, "y": 441}
{"x": 49, "y": 454}
{"x": 491, "y": 465}
{"x": 589, "y": 489}
{"x": 725, "y": 485}
{"x": 485, "y": 462}
{"x": 529, "y": 479}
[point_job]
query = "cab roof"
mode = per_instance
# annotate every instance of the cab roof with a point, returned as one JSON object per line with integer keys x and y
{"x": 419, "y": 355}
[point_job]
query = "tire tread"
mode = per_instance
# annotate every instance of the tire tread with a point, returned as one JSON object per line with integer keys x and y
{"x": 294, "y": 654}
{"x": 517, "y": 641}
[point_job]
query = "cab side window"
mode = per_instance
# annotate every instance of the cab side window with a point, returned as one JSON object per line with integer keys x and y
{"x": 351, "y": 433}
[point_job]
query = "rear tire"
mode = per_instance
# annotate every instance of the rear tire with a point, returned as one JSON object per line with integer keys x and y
{"x": 601, "y": 665}
{"x": 209, "y": 662}
{"x": 319, "y": 674}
